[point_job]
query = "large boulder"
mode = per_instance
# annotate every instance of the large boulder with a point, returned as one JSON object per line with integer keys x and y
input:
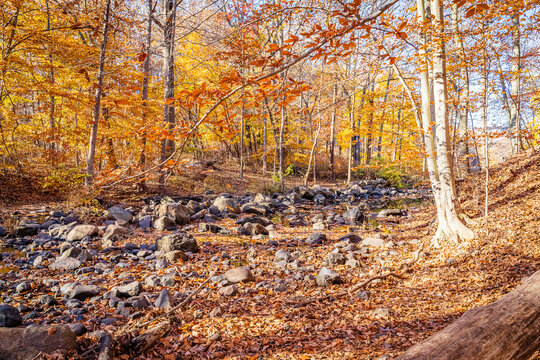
{"x": 9, "y": 316}
{"x": 76, "y": 253}
{"x": 118, "y": 213}
{"x": 3, "y": 231}
{"x": 226, "y": 204}
{"x": 65, "y": 264}
{"x": 26, "y": 228}
{"x": 28, "y": 343}
{"x": 178, "y": 212}
{"x": 253, "y": 229}
{"x": 354, "y": 214}
{"x": 79, "y": 232}
{"x": 177, "y": 241}
{"x": 82, "y": 292}
{"x": 164, "y": 223}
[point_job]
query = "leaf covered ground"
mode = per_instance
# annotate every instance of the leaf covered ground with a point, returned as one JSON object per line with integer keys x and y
{"x": 267, "y": 318}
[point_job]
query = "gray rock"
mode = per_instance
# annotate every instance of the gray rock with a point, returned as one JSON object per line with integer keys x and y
{"x": 9, "y": 317}
{"x": 81, "y": 231}
{"x": 114, "y": 233}
{"x": 65, "y": 264}
{"x": 82, "y": 292}
{"x": 162, "y": 264}
{"x": 47, "y": 300}
{"x": 164, "y": 300}
{"x": 353, "y": 238}
{"x": 175, "y": 256}
{"x": 3, "y": 231}
{"x": 38, "y": 261}
{"x": 319, "y": 226}
{"x": 327, "y": 277}
{"x": 28, "y": 343}
{"x": 374, "y": 242}
{"x": 178, "y": 212}
{"x": 381, "y": 313}
{"x": 177, "y": 241}
{"x": 164, "y": 223}
{"x": 253, "y": 229}
{"x": 226, "y": 204}
{"x": 24, "y": 287}
{"x": 230, "y": 290}
{"x": 237, "y": 275}
{"x": 120, "y": 214}
{"x": 316, "y": 239}
{"x": 193, "y": 207}
{"x": 134, "y": 288}
{"x": 77, "y": 328}
{"x": 335, "y": 259}
{"x": 27, "y": 229}
{"x": 281, "y": 287}
{"x": 354, "y": 214}
{"x": 353, "y": 263}
{"x": 257, "y": 209}
{"x": 216, "y": 312}
{"x": 152, "y": 281}
{"x": 282, "y": 255}
{"x": 205, "y": 227}
{"x": 145, "y": 222}
{"x": 76, "y": 253}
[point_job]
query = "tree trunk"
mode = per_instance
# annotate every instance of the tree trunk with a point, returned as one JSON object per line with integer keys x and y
{"x": 97, "y": 100}
{"x": 450, "y": 225}
{"x": 381, "y": 127}
{"x": 352, "y": 102}
{"x": 332, "y": 131}
{"x": 312, "y": 154}
{"x": 484, "y": 123}
{"x": 167, "y": 144}
{"x": 146, "y": 79}
{"x": 515, "y": 85}
{"x": 508, "y": 329}
{"x": 264, "y": 165}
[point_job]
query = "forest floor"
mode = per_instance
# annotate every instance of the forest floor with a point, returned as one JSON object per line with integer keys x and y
{"x": 268, "y": 319}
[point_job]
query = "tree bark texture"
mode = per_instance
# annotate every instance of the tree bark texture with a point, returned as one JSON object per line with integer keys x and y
{"x": 508, "y": 329}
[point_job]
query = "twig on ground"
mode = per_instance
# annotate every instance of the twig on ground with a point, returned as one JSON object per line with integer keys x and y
{"x": 399, "y": 273}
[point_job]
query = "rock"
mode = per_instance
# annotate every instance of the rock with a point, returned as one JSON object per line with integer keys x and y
{"x": 134, "y": 288}
{"x": 164, "y": 223}
{"x": 76, "y": 253}
{"x": 38, "y": 261}
{"x": 120, "y": 214}
{"x": 227, "y": 204}
{"x": 391, "y": 212}
{"x": 3, "y": 231}
{"x": 82, "y": 292}
{"x": 65, "y": 264}
{"x": 228, "y": 290}
{"x": 27, "y": 343}
{"x": 316, "y": 239}
{"x": 205, "y": 227}
{"x": 363, "y": 295}
{"x": 177, "y": 241}
{"x": 27, "y": 229}
{"x": 114, "y": 233}
{"x": 23, "y": 287}
{"x": 77, "y": 328}
{"x": 381, "y": 313}
{"x": 152, "y": 281}
{"x": 374, "y": 242}
{"x": 162, "y": 264}
{"x": 193, "y": 207}
{"x": 354, "y": 214}
{"x": 81, "y": 231}
{"x": 254, "y": 219}
{"x": 9, "y": 317}
{"x": 174, "y": 256}
{"x": 164, "y": 300}
{"x": 319, "y": 226}
{"x": 282, "y": 255}
{"x": 327, "y": 277}
{"x": 335, "y": 259}
{"x": 216, "y": 312}
{"x": 253, "y": 229}
{"x": 353, "y": 263}
{"x": 237, "y": 275}
{"x": 178, "y": 212}
{"x": 353, "y": 238}
{"x": 145, "y": 222}
{"x": 47, "y": 300}
{"x": 281, "y": 287}
{"x": 319, "y": 199}
{"x": 254, "y": 208}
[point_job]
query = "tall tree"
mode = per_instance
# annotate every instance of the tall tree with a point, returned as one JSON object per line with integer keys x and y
{"x": 97, "y": 99}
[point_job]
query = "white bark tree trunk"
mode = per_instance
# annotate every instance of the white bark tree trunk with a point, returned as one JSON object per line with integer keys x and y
{"x": 450, "y": 227}
{"x": 515, "y": 85}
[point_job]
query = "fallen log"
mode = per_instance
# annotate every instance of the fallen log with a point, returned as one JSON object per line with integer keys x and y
{"x": 509, "y": 328}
